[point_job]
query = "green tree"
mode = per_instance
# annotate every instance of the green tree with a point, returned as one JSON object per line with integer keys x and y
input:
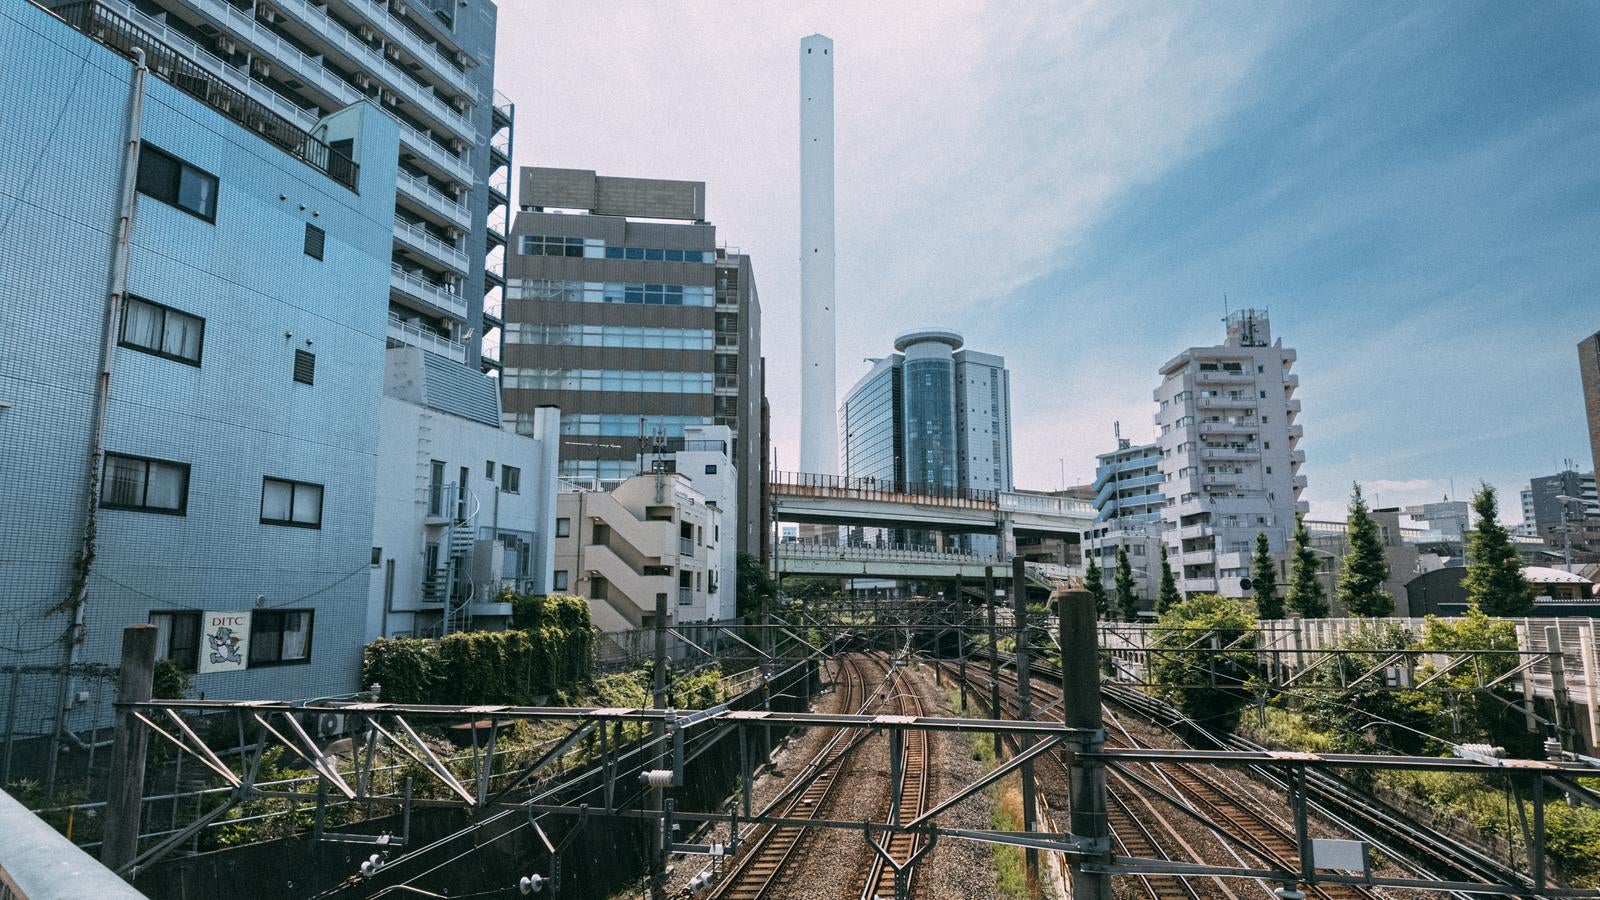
{"x": 1305, "y": 589}
{"x": 1364, "y": 570}
{"x": 1264, "y": 580}
{"x": 1094, "y": 583}
{"x": 1480, "y": 715}
{"x": 1369, "y": 717}
{"x": 1210, "y": 687}
{"x": 1127, "y": 600}
{"x": 1494, "y": 579}
{"x": 753, "y": 586}
{"x": 1169, "y": 596}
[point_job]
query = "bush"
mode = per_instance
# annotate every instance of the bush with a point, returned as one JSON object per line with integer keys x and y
{"x": 1210, "y": 688}
{"x": 170, "y": 683}
{"x": 549, "y": 650}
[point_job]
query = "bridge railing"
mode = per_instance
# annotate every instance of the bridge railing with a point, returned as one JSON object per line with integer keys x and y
{"x": 881, "y": 552}
{"x": 1045, "y": 504}
{"x": 849, "y": 487}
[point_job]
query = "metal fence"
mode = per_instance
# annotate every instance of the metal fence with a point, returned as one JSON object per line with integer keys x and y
{"x": 55, "y": 727}
{"x": 687, "y": 644}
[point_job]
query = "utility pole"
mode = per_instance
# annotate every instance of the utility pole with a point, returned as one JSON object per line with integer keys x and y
{"x": 1019, "y": 605}
{"x": 125, "y": 800}
{"x": 1086, "y": 777}
{"x": 658, "y": 855}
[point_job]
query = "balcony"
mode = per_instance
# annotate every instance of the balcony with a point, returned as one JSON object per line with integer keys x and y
{"x": 504, "y": 111}
{"x": 1296, "y": 432}
{"x": 1239, "y": 402}
{"x": 1189, "y": 532}
{"x": 378, "y": 18}
{"x": 1221, "y": 479}
{"x": 435, "y": 298}
{"x": 413, "y": 335}
{"x": 1291, "y": 382}
{"x": 685, "y": 596}
{"x": 279, "y": 53}
{"x": 727, "y": 385}
{"x": 430, "y": 154}
{"x": 1299, "y": 482}
{"x": 1293, "y": 406}
{"x": 727, "y": 340}
{"x": 429, "y": 247}
{"x": 1224, "y": 377}
{"x": 315, "y": 21}
{"x": 1205, "y": 585}
{"x": 1238, "y": 451}
{"x": 1297, "y": 457}
{"x": 124, "y": 36}
{"x": 1204, "y": 557}
{"x": 686, "y": 547}
{"x": 1226, "y": 426}
{"x": 430, "y": 200}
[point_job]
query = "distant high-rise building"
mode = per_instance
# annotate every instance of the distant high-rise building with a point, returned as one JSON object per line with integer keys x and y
{"x": 1589, "y": 370}
{"x": 430, "y": 66}
{"x": 622, "y": 311}
{"x": 819, "y": 448}
{"x": 1128, "y": 502}
{"x": 930, "y": 415}
{"x": 1564, "y": 511}
{"x": 1229, "y": 455}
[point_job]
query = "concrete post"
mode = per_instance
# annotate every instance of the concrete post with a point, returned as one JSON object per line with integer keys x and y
{"x": 125, "y": 790}
{"x": 1591, "y": 681}
{"x": 1019, "y": 605}
{"x": 658, "y": 856}
{"x": 1559, "y": 699}
{"x": 1086, "y": 778}
{"x": 994, "y": 655}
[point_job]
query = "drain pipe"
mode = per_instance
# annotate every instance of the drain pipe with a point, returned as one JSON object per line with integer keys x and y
{"x": 76, "y": 597}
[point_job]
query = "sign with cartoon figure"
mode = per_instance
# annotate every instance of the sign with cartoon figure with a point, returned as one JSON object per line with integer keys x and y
{"x": 224, "y": 642}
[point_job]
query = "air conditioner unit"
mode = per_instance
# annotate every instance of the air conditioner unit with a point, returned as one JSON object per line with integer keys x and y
{"x": 331, "y": 725}
{"x": 392, "y": 100}
{"x": 366, "y": 32}
{"x": 462, "y": 59}
{"x": 460, "y": 104}
{"x": 391, "y": 51}
{"x": 226, "y": 46}
{"x": 363, "y": 81}
{"x": 267, "y": 14}
{"x": 260, "y": 69}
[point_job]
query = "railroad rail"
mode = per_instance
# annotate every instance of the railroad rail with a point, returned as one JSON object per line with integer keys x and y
{"x": 907, "y": 803}
{"x": 769, "y": 851}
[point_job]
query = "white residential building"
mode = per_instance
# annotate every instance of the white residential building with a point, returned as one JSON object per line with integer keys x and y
{"x": 704, "y": 456}
{"x": 1230, "y": 461}
{"x": 464, "y": 506}
{"x": 652, "y": 536}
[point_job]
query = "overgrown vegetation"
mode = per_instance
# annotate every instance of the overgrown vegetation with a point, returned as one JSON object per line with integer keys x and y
{"x": 1214, "y": 686}
{"x": 548, "y": 651}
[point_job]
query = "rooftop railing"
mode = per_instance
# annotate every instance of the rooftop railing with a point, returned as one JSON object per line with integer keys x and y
{"x": 125, "y": 38}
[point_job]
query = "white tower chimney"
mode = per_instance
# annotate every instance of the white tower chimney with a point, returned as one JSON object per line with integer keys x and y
{"x": 819, "y": 437}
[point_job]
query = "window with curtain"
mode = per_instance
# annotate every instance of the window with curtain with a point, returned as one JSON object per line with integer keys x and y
{"x": 161, "y": 330}
{"x": 176, "y": 183}
{"x": 146, "y": 485}
{"x": 295, "y": 503}
{"x": 280, "y": 636}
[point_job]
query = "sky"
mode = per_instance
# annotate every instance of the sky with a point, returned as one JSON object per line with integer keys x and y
{"x": 1411, "y": 190}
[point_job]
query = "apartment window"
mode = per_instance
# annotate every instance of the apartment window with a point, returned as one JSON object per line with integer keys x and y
{"x": 488, "y": 470}
{"x": 558, "y": 582}
{"x": 144, "y": 484}
{"x": 1263, "y": 420}
{"x": 1263, "y": 395}
{"x": 377, "y": 557}
{"x": 280, "y": 637}
{"x": 176, "y": 183}
{"x": 711, "y": 469}
{"x": 1261, "y": 369}
{"x": 1269, "y": 470}
{"x": 316, "y": 238}
{"x": 305, "y": 367}
{"x": 294, "y": 503}
{"x": 563, "y": 527}
{"x": 511, "y": 479}
{"x": 163, "y": 331}
{"x": 1266, "y": 445}
{"x": 177, "y": 638}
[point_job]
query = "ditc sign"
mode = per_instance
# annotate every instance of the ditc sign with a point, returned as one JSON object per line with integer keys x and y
{"x": 224, "y": 642}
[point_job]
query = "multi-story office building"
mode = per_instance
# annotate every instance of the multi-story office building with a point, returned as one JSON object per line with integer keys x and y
{"x": 1229, "y": 457}
{"x": 1589, "y": 371}
{"x": 430, "y": 66}
{"x": 931, "y": 415}
{"x": 467, "y": 507}
{"x": 622, "y": 311}
{"x": 1565, "y": 512}
{"x": 651, "y": 537}
{"x": 224, "y": 482}
{"x": 1128, "y": 504}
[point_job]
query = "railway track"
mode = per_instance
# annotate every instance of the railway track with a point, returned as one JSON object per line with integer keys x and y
{"x": 1213, "y": 799}
{"x": 770, "y": 850}
{"x": 908, "y": 803}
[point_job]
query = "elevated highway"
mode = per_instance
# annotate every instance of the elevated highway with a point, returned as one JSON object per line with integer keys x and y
{"x": 840, "y": 500}
{"x": 921, "y": 563}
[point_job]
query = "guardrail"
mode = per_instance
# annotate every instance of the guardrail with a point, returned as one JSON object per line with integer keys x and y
{"x": 883, "y": 553}
{"x": 806, "y": 484}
